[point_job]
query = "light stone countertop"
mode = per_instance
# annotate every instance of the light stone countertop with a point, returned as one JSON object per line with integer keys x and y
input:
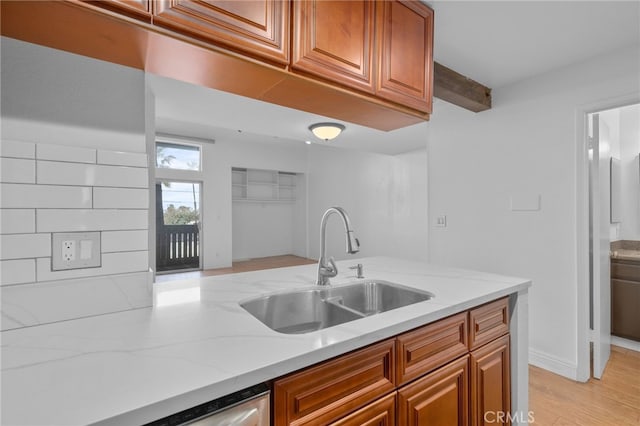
{"x": 198, "y": 344}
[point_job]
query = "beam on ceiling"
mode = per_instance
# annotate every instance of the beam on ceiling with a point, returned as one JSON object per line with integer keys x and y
{"x": 459, "y": 90}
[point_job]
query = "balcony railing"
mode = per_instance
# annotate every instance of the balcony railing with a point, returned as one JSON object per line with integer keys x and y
{"x": 178, "y": 247}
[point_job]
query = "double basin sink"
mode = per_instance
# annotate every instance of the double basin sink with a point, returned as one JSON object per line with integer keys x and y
{"x": 316, "y": 308}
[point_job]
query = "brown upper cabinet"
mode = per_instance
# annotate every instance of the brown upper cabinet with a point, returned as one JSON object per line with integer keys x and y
{"x": 405, "y": 53}
{"x": 258, "y": 28}
{"x": 139, "y": 9}
{"x": 382, "y": 47}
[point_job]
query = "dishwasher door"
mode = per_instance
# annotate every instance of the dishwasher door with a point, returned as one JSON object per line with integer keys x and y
{"x": 247, "y": 407}
{"x": 253, "y": 412}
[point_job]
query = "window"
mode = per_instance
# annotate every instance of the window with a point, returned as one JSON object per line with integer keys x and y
{"x": 177, "y": 156}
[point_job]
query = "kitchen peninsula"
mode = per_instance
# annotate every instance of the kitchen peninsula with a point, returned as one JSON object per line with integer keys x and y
{"x": 197, "y": 343}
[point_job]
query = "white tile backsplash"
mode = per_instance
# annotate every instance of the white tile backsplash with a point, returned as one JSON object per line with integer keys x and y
{"x": 59, "y": 173}
{"x": 17, "y": 170}
{"x": 62, "y": 220}
{"x": 44, "y": 196}
{"x": 23, "y": 246}
{"x": 115, "y": 241}
{"x": 17, "y": 221}
{"x": 17, "y": 271}
{"x": 119, "y": 158}
{"x": 65, "y": 153}
{"x": 112, "y": 264}
{"x": 47, "y": 188}
{"x": 120, "y": 198}
{"x": 17, "y": 149}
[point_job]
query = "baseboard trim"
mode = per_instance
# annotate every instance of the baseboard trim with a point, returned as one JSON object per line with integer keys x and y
{"x": 553, "y": 364}
{"x": 625, "y": 343}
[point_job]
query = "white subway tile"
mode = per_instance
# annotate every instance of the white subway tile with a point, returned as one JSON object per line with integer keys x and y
{"x": 42, "y": 303}
{"x": 56, "y": 173}
{"x": 17, "y": 221}
{"x": 114, "y": 241}
{"x": 44, "y": 196}
{"x": 61, "y": 220}
{"x": 22, "y": 246}
{"x": 17, "y": 149}
{"x": 17, "y": 170}
{"x": 119, "y": 158}
{"x": 120, "y": 198}
{"x": 17, "y": 271}
{"x": 112, "y": 263}
{"x": 72, "y": 154}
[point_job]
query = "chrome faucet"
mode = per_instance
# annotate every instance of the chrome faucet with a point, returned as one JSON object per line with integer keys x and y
{"x": 327, "y": 267}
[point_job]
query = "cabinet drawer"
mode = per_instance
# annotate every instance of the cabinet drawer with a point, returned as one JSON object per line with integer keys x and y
{"x": 332, "y": 389}
{"x": 488, "y": 322}
{"x": 381, "y": 412}
{"x": 429, "y": 347}
{"x": 625, "y": 271}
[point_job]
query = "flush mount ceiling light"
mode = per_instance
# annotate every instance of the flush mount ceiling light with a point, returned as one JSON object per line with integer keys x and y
{"x": 326, "y": 131}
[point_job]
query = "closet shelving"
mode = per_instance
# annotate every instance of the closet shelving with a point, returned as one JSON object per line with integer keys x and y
{"x": 263, "y": 186}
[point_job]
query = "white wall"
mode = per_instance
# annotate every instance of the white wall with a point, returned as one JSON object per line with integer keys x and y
{"x": 385, "y": 197}
{"x": 73, "y": 159}
{"x": 524, "y": 147}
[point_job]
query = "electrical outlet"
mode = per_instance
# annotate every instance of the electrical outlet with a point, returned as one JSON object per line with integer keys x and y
{"x": 441, "y": 221}
{"x": 75, "y": 250}
{"x": 69, "y": 250}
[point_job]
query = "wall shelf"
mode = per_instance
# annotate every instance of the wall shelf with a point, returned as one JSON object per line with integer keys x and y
{"x": 263, "y": 186}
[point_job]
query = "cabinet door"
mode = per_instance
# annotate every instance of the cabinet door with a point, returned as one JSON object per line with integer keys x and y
{"x": 491, "y": 384}
{"x": 334, "y": 40}
{"x": 405, "y": 53}
{"x": 625, "y": 308}
{"x": 254, "y": 27}
{"x": 439, "y": 398}
{"x": 381, "y": 412}
{"x": 335, "y": 388}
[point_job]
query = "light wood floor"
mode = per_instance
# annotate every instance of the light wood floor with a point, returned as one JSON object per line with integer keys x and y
{"x": 612, "y": 401}
{"x": 241, "y": 266}
{"x": 553, "y": 399}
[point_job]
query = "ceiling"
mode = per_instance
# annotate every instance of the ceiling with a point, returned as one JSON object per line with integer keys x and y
{"x": 496, "y": 43}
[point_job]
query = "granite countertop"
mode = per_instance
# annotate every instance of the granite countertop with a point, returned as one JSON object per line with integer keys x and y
{"x": 625, "y": 250}
{"x": 625, "y": 254}
{"x": 198, "y": 344}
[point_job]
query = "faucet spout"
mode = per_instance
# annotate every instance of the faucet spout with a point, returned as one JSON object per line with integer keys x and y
{"x": 327, "y": 267}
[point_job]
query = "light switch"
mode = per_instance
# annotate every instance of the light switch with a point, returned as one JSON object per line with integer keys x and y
{"x": 86, "y": 247}
{"x": 75, "y": 250}
{"x": 441, "y": 221}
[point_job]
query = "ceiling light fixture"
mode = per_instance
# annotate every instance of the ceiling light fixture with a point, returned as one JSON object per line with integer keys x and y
{"x": 326, "y": 131}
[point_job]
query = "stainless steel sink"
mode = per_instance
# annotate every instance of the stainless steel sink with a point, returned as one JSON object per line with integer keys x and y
{"x": 312, "y": 309}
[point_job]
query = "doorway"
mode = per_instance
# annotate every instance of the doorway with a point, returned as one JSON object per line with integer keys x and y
{"x": 598, "y": 225}
{"x": 178, "y": 226}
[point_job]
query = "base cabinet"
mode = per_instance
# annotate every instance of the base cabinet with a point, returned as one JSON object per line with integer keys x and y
{"x": 379, "y": 413}
{"x": 491, "y": 384}
{"x": 453, "y": 372}
{"x": 439, "y": 398}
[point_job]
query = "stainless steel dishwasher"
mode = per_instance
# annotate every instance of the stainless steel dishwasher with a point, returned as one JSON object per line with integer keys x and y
{"x": 248, "y": 407}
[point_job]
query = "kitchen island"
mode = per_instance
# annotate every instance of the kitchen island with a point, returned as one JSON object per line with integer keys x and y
{"x": 197, "y": 343}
